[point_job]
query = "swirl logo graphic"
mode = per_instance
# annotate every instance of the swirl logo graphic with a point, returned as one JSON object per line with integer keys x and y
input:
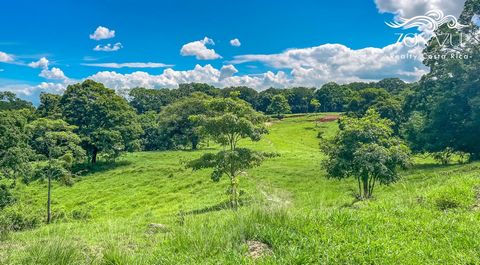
{"x": 431, "y": 21}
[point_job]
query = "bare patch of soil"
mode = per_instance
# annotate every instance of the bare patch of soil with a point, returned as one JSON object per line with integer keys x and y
{"x": 257, "y": 249}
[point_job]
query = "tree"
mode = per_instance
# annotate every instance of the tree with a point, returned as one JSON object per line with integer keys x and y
{"x": 229, "y": 121}
{"x": 299, "y": 98}
{"x": 448, "y": 97}
{"x": 334, "y": 97}
{"x": 176, "y": 127}
{"x": 49, "y": 106}
{"x": 105, "y": 122}
{"x": 315, "y": 105}
{"x": 366, "y": 149}
{"x": 9, "y": 101}
{"x": 279, "y": 106}
{"x": 145, "y": 100}
{"x": 15, "y": 152}
{"x": 58, "y": 146}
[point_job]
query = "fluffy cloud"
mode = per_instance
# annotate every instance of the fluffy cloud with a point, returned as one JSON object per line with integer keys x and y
{"x": 108, "y": 48}
{"x": 42, "y": 63}
{"x": 128, "y": 65}
{"x": 200, "y": 74}
{"x": 102, "y": 33}
{"x": 411, "y": 8}
{"x": 335, "y": 62}
{"x": 227, "y": 71}
{"x": 53, "y": 74}
{"x": 235, "y": 43}
{"x": 5, "y": 58}
{"x": 199, "y": 50}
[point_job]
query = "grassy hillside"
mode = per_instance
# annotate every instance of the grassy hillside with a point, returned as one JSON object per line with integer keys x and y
{"x": 431, "y": 216}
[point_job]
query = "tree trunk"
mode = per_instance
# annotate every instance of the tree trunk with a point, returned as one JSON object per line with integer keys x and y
{"x": 366, "y": 188}
{"x": 94, "y": 155}
{"x": 49, "y": 211}
{"x": 234, "y": 195}
{"x": 194, "y": 144}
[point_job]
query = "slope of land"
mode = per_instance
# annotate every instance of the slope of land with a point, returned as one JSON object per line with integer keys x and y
{"x": 149, "y": 209}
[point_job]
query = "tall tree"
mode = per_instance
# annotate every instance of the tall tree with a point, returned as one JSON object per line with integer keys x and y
{"x": 229, "y": 121}
{"x": 59, "y": 147}
{"x": 104, "y": 120}
{"x": 448, "y": 97}
{"x": 366, "y": 149}
{"x": 15, "y": 153}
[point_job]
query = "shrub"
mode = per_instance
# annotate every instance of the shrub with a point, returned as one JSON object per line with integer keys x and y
{"x": 6, "y": 198}
{"x": 18, "y": 219}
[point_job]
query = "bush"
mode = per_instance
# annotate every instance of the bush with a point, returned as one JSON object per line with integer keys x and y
{"x": 18, "y": 219}
{"x": 6, "y": 198}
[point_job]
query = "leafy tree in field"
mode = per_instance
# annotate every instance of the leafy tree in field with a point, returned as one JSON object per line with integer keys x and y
{"x": 151, "y": 138}
{"x": 15, "y": 152}
{"x": 228, "y": 122}
{"x": 59, "y": 147}
{"x": 366, "y": 149}
{"x": 105, "y": 122}
{"x": 176, "y": 127}
{"x": 49, "y": 106}
{"x": 9, "y": 101}
{"x": 279, "y": 106}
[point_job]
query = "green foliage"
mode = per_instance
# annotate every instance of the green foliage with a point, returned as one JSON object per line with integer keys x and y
{"x": 146, "y": 100}
{"x": 366, "y": 149}
{"x": 230, "y": 121}
{"x": 448, "y": 96}
{"x": 14, "y": 150}
{"x": 279, "y": 106}
{"x": 6, "y": 198}
{"x": 104, "y": 120}
{"x": 176, "y": 129}
{"x": 49, "y": 106}
{"x": 9, "y": 101}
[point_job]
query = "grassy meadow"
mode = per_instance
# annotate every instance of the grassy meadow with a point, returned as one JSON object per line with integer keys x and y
{"x": 431, "y": 216}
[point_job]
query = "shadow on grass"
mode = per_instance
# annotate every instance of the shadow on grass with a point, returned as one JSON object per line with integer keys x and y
{"x": 101, "y": 166}
{"x": 226, "y": 205}
{"x": 431, "y": 166}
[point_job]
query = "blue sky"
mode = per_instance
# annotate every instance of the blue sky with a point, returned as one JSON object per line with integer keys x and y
{"x": 279, "y": 43}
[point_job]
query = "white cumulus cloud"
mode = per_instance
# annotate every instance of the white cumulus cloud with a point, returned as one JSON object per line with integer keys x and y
{"x": 108, "y": 48}
{"x": 5, "y": 57}
{"x": 128, "y": 65}
{"x": 235, "y": 43}
{"x": 335, "y": 62}
{"x": 42, "y": 63}
{"x": 199, "y": 50}
{"x": 227, "y": 71}
{"x": 411, "y": 8}
{"x": 53, "y": 74}
{"x": 200, "y": 74}
{"x": 102, "y": 33}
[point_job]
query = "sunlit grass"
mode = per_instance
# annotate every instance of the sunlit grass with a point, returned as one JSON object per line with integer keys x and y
{"x": 429, "y": 217}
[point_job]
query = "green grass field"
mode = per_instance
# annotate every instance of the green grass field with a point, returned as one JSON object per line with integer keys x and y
{"x": 429, "y": 217}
